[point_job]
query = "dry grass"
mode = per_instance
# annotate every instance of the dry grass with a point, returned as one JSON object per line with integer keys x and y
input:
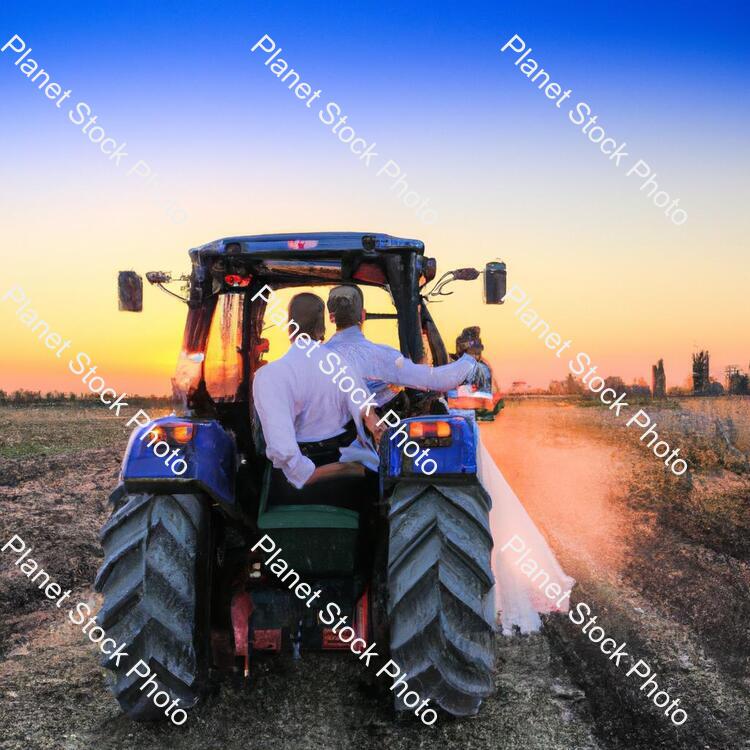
{"x": 736, "y": 408}
{"x": 54, "y": 429}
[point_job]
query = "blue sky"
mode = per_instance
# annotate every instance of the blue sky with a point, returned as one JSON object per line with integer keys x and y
{"x": 508, "y": 173}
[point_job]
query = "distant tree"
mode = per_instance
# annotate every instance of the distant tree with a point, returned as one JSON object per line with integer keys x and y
{"x": 658, "y": 380}
{"x": 573, "y": 386}
{"x": 639, "y": 389}
{"x": 556, "y": 388}
{"x": 714, "y": 388}
{"x": 737, "y": 383}
{"x": 615, "y": 382}
{"x": 25, "y": 396}
{"x": 700, "y": 372}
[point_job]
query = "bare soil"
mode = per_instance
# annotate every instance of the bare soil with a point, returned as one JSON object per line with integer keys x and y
{"x": 663, "y": 562}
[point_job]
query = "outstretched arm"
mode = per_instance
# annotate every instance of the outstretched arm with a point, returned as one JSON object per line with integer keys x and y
{"x": 400, "y": 370}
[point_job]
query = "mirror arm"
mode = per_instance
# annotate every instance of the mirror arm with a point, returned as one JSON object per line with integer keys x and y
{"x": 437, "y": 289}
{"x": 160, "y": 278}
{"x": 459, "y": 274}
{"x": 173, "y": 294}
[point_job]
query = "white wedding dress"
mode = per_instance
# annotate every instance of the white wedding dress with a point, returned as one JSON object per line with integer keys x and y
{"x": 516, "y": 601}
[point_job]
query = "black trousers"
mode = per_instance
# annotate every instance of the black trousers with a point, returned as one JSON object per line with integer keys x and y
{"x": 349, "y": 492}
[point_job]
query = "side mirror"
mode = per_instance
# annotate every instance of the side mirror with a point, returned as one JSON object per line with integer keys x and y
{"x": 129, "y": 291}
{"x": 495, "y": 283}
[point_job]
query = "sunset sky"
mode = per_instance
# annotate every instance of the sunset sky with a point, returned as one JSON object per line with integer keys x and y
{"x": 508, "y": 173}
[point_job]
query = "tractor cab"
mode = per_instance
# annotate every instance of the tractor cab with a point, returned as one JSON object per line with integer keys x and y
{"x": 382, "y": 546}
{"x": 230, "y": 331}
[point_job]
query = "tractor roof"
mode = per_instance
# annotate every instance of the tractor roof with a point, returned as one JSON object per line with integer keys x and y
{"x": 328, "y": 243}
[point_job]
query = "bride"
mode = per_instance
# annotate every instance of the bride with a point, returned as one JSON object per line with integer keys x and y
{"x": 518, "y": 599}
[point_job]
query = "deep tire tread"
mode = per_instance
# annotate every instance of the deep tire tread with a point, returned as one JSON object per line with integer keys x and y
{"x": 154, "y": 581}
{"x": 439, "y": 576}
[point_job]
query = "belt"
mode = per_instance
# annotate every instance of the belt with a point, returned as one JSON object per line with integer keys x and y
{"x": 337, "y": 441}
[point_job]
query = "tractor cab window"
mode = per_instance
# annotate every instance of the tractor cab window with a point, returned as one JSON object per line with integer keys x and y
{"x": 427, "y": 356}
{"x": 377, "y": 300}
{"x": 223, "y": 367}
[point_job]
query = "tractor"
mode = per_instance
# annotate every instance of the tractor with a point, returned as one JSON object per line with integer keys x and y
{"x": 407, "y": 558}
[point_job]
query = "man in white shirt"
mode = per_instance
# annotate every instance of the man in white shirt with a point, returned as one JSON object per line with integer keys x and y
{"x": 381, "y": 365}
{"x": 298, "y": 402}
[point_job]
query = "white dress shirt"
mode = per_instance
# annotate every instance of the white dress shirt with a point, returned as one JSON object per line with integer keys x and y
{"x": 297, "y": 402}
{"x": 381, "y": 365}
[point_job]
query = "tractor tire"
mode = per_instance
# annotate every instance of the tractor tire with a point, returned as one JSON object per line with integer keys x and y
{"x": 156, "y": 581}
{"x": 439, "y": 577}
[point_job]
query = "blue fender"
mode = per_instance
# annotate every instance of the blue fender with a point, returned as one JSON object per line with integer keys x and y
{"x": 454, "y": 458}
{"x": 209, "y": 458}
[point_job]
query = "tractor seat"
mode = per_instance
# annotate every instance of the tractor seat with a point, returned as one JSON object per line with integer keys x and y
{"x": 328, "y": 513}
{"x": 318, "y": 527}
{"x": 334, "y": 503}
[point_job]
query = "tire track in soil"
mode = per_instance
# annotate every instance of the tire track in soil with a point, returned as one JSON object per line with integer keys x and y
{"x": 597, "y": 499}
{"x": 56, "y": 506}
{"x": 55, "y": 696}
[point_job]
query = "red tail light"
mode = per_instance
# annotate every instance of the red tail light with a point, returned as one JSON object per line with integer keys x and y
{"x": 181, "y": 433}
{"x": 233, "y": 279}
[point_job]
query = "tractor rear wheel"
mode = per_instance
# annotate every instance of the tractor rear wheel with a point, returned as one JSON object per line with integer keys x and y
{"x": 439, "y": 577}
{"x": 156, "y": 581}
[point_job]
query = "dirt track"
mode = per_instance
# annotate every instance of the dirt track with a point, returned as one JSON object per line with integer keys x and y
{"x": 644, "y": 550}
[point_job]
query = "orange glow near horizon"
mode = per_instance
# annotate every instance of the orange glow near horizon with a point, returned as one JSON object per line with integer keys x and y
{"x": 138, "y": 353}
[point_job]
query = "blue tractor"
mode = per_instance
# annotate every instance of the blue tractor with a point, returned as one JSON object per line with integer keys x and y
{"x": 406, "y": 558}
